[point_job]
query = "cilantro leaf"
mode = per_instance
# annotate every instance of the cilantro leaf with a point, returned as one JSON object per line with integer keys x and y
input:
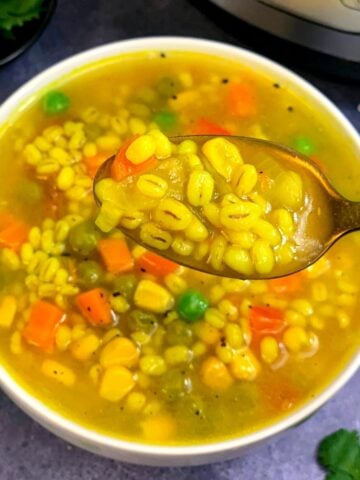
{"x": 338, "y": 476}
{"x": 14, "y": 13}
{"x": 340, "y": 453}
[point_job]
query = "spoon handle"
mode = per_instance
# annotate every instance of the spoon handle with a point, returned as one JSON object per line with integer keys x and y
{"x": 346, "y": 216}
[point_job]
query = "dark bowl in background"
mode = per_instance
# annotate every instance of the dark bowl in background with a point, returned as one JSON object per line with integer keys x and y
{"x": 26, "y": 35}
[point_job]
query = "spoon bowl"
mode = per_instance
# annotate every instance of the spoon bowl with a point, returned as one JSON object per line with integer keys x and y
{"x": 324, "y": 216}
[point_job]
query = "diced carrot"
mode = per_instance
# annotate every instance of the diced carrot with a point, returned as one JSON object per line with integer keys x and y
{"x": 94, "y": 306}
{"x": 240, "y": 100}
{"x": 265, "y": 321}
{"x": 205, "y": 127}
{"x": 151, "y": 263}
{"x": 115, "y": 254}
{"x": 13, "y": 231}
{"x": 122, "y": 167}
{"x": 93, "y": 163}
{"x": 42, "y": 325}
{"x": 289, "y": 284}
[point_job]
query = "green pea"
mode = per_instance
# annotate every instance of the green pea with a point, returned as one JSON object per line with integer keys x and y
{"x": 83, "y": 238}
{"x": 55, "y": 102}
{"x": 142, "y": 321}
{"x": 168, "y": 86}
{"x": 89, "y": 273}
{"x": 191, "y": 305}
{"x": 304, "y": 145}
{"x": 29, "y": 191}
{"x": 175, "y": 384}
{"x": 178, "y": 333}
{"x": 125, "y": 284}
{"x": 165, "y": 120}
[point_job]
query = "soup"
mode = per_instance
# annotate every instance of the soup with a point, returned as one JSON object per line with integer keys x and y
{"x": 221, "y": 205}
{"x": 129, "y": 344}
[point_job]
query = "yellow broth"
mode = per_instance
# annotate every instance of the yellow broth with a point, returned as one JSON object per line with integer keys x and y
{"x": 173, "y": 396}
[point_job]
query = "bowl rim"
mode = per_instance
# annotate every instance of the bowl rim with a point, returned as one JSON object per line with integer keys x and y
{"x": 55, "y": 421}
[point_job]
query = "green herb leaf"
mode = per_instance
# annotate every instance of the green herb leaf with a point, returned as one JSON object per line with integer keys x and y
{"x": 14, "y": 13}
{"x": 340, "y": 453}
{"x": 338, "y": 476}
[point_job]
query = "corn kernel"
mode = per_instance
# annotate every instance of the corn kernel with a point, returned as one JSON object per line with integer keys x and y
{"x": 85, "y": 347}
{"x": 159, "y": 428}
{"x": 153, "y": 297}
{"x": 8, "y": 307}
{"x": 58, "y": 372}
{"x": 119, "y": 351}
{"x": 116, "y": 383}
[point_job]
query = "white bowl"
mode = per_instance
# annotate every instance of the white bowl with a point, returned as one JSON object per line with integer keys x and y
{"x": 172, "y": 455}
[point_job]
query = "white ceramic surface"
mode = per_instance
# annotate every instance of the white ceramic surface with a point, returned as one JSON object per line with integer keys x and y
{"x": 136, "y": 452}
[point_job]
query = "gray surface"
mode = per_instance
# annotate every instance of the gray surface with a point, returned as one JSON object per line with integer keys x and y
{"x": 29, "y": 452}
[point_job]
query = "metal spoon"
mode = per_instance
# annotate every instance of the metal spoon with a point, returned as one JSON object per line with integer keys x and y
{"x": 325, "y": 218}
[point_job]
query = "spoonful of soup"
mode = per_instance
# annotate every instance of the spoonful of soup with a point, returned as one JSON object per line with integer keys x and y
{"x": 231, "y": 206}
